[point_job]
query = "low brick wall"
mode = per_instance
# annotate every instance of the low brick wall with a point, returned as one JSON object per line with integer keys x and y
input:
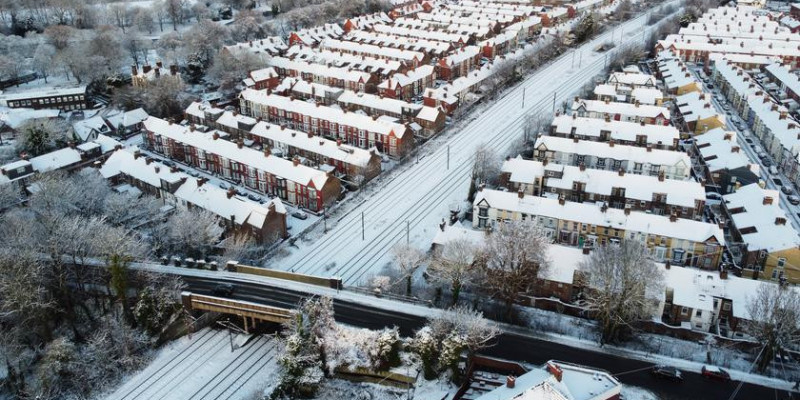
{"x": 334, "y": 283}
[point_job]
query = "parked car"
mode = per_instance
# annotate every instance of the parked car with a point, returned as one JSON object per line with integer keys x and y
{"x": 777, "y": 182}
{"x": 253, "y": 197}
{"x": 223, "y": 289}
{"x": 715, "y": 373}
{"x": 772, "y": 170}
{"x": 766, "y": 162}
{"x": 222, "y": 185}
{"x": 787, "y": 190}
{"x": 794, "y": 200}
{"x": 748, "y": 140}
{"x": 300, "y": 215}
{"x": 671, "y": 373}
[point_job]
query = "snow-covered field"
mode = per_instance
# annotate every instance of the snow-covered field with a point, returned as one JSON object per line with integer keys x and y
{"x": 418, "y": 194}
{"x": 204, "y": 367}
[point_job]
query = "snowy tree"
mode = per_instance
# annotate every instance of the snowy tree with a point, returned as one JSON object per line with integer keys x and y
{"x": 10, "y": 196}
{"x": 305, "y": 355}
{"x": 535, "y": 125}
{"x": 774, "y": 321}
{"x": 513, "y": 260}
{"x": 228, "y": 70}
{"x": 194, "y": 230}
{"x": 440, "y": 343}
{"x": 175, "y": 10}
{"x": 247, "y": 25}
{"x": 143, "y": 19}
{"x": 486, "y": 164}
{"x": 454, "y": 266}
{"x": 44, "y": 60}
{"x": 242, "y": 248}
{"x": 477, "y": 332}
{"x": 623, "y": 286}
{"x": 129, "y": 211}
{"x": 41, "y": 135}
{"x": 203, "y": 40}
{"x": 59, "y": 36}
{"x": 158, "y": 301}
{"x": 407, "y": 259}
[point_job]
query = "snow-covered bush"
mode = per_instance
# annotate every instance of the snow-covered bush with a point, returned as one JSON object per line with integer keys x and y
{"x": 425, "y": 347}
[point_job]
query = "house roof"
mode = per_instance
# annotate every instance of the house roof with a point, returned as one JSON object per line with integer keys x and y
{"x": 681, "y": 228}
{"x": 271, "y": 164}
{"x": 620, "y": 152}
{"x": 619, "y": 130}
{"x": 56, "y": 160}
{"x": 720, "y": 150}
{"x": 325, "y": 113}
{"x": 628, "y": 109}
{"x": 768, "y": 234}
{"x": 684, "y": 193}
{"x": 315, "y": 144}
{"x": 216, "y": 200}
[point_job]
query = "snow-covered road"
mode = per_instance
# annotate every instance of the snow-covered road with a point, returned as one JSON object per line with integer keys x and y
{"x": 204, "y": 367}
{"x": 419, "y": 193}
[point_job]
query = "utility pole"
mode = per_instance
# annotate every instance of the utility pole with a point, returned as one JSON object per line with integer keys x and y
{"x": 362, "y": 225}
{"x": 408, "y": 232}
{"x": 324, "y": 221}
{"x": 448, "y": 157}
{"x": 580, "y": 58}
{"x": 523, "y": 97}
{"x": 554, "y": 102}
{"x": 573, "y": 59}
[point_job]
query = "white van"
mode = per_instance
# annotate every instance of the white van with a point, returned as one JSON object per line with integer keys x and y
{"x": 773, "y": 170}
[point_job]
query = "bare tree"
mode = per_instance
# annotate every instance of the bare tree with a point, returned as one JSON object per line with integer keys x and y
{"x": 774, "y": 320}
{"x": 44, "y": 60}
{"x": 455, "y": 266}
{"x": 485, "y": 167}
{"x": 194, "y": 231}
{"x": 535, "y": 125}
{"x": 623, "y": 286}
{"x": 514, "y": 258}
{"x": 228, "y": 70}
{"x": 38, "y": 136}
{"x": 407, "y": 259}
{"x": 174, "y": 9}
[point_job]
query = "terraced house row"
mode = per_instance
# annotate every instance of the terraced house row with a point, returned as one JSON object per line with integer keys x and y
{"x": 668, "y": 238}
{"x": 383, "y": 133}
{"x": 258, "y": 170}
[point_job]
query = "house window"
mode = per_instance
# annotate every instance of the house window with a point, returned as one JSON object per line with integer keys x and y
{"x": 726, "y": 306}
{"x": 698, "y": 313}
{"x": 684, "y": 311}
{"x": 483, "y": 212}
{"x": 677, "y": 256}
{"x": 781, "y": 262}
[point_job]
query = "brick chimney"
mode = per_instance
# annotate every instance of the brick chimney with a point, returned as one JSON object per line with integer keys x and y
{"x": 673, "y": 218}
{"x": 557, "y": 372}
{"x": 215, "y": 136}
{"x": 239, "y": 144}
{"x": 723, "y": 274}
{"x": 621, "y": 172}
{"x": 561, "y": 200}
{"x": 582, "y": 166}
{"x": 521, "y": 194}
{"x": 766, "y": 201}
{"x": 666, "y": 264}
{"x": 267, "y": 151}
{"x": 231, "y": 192}
{"x": 338, "y": 142}
{"x": 574, "y": 139}
{"x": 148, "y": 160}
{"x": 510, "y": 381}
{"x": 296, "y": 161}
{"x": 201, "y": 181}
{"x": 780, "y": 221}
{"x": 586, "y": 250}
{"x": 134, "y": 70}
{"x": 661, "y": 176}
{"x": 611, "y": 143}
{"x": 649, "y": 148}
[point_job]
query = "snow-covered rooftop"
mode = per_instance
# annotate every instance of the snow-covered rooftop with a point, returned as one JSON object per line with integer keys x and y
{"x": 617, "y": 152}
{"x": 763, "y": 224}
{"x": 586, "y": 213}
{"x": 627, "y": 109}
{"x": 619, "y": 130}
{"x": 204, "y": 141}
{"x": 604, "y": 182}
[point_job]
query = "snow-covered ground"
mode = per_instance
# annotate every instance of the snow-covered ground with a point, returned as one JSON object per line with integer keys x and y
{"x": 418, "y": 194}
{"x": 204, "y": 367}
